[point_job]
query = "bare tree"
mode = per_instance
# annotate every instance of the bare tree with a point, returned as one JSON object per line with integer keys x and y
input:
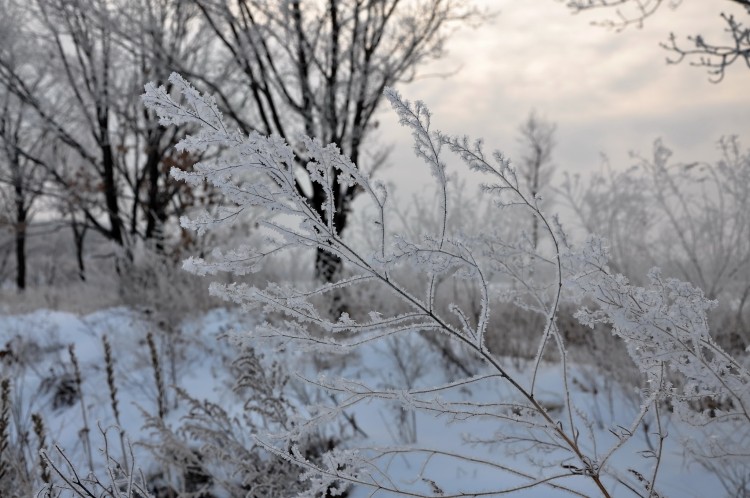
{"x": 81, "y": 84}
{"x": 617, "y": 204}
{"x": 157, "y": 36}
{"x": 537, "y": 138}
{"x": 25, "y": 178}
{"x": 283, "y": 68}
{"x": 715, "y": 56}
{"x": 320, "y": 68}
{"x": 78, "y": 109}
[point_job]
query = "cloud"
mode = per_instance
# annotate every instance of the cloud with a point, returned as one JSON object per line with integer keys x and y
{"x": 608, "y": 92}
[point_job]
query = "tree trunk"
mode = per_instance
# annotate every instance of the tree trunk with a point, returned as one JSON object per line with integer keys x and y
{"x": 155, "y": 207}
{"x": 327, "y": 265}
{"x": 20, "y": 230}
{"x": 78, "y": 235}
{"x": 110, "y": 193}
{"x": 534, "y": 192}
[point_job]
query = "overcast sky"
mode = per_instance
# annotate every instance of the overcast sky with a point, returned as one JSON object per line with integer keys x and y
{"x": 608, "y": 92}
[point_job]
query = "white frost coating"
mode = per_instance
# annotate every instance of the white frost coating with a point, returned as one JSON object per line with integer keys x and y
{"x": 664, "y": 326}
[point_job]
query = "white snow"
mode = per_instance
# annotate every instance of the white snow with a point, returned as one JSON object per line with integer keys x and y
{"x": 201, "y": 367}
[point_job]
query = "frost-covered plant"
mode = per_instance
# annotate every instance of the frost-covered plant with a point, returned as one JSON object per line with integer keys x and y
{"x": 117, "y": 478}
{"x": 212, "y": 450}
{"x": 692, "y": 220}
{"x": 664, "y": 325}
{"x": 22, "y": 431}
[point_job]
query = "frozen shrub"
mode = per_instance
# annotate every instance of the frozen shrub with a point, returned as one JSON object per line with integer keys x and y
{"x": 692, "y": 220}
{"x": 663, "y": 325}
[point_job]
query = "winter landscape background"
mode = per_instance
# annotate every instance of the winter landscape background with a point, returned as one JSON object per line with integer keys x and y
{"x": 521, "y": 267}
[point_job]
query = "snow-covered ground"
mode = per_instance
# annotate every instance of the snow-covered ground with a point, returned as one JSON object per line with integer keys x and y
{"x": 195, "y": 359}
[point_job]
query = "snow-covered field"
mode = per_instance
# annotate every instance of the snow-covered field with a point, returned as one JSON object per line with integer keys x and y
{"x": 194, "y": 358}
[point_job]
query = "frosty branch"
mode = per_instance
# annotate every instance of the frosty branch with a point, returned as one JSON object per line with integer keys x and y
{"x": 663, "y": 326}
